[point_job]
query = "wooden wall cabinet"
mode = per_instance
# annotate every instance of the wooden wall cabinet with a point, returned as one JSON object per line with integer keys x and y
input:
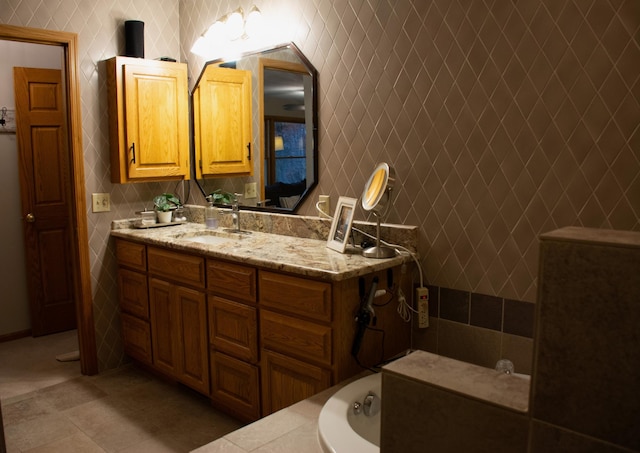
{"x": 222, "y": 123}
{"x": 148, "y": 120}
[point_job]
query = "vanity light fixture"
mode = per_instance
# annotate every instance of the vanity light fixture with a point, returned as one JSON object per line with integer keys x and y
{"x": 228, "y": 31}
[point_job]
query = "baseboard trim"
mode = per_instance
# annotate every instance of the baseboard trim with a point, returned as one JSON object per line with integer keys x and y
{"x": 15, "y": 335}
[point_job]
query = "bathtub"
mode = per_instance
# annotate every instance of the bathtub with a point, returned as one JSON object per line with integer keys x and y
{"x": 340, "y": 430}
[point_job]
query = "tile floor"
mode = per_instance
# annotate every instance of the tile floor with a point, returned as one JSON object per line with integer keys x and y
{"x": 48, "y": 406}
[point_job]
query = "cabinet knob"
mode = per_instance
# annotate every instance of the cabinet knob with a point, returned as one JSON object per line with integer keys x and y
{"x": 30, "y": 218}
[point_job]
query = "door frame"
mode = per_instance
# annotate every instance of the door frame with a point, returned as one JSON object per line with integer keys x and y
{"x": 80, "y": 241}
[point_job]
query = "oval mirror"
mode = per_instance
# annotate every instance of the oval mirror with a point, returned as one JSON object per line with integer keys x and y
{"x": 255, "y": 128}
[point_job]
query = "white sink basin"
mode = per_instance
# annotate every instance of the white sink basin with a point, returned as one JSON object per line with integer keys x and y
{"x": 207, "y": 239}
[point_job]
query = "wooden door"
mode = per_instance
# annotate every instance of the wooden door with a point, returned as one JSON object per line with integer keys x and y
{"x": 192, "y": 340}
{"x": 157, "y": 121}
{"x": 222, "y": 123}
{"x": 235, "y": 385}
{"x": 163, "y": 316}
{"x": 46, "y": 198}
{"x": 286, "y": 381}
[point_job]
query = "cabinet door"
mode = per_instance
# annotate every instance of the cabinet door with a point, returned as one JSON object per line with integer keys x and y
{"x": 136, "y": 338}
{"x": 132, "y": 287}
{"x": 157, "y": 121}
{"x": 235, "y": 386}
{"x": 233, "y": 328}
{"x": 286, "y": 381}
{"x": 192, "y": 340}
{"x": 164, "y": 327}
{"x": 222, "y": 123}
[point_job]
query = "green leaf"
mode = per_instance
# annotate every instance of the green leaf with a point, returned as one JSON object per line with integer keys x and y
{"x": 166, "y": 202}
{"x": 220, "y": 196}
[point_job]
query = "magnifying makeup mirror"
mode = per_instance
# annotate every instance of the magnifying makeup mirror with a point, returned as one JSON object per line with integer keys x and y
{"x": 376, "y": 198}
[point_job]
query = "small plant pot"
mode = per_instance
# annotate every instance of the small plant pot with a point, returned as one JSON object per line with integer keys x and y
{"x": 164, "y": 216}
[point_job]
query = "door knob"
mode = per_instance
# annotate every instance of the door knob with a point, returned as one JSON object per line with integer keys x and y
{"x": 31, "y": 218}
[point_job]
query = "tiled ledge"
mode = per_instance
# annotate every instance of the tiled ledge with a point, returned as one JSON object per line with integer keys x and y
{"x": 465, "y": 379}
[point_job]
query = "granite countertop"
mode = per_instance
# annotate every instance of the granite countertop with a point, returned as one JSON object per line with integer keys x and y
{"x": 303, "y": 256}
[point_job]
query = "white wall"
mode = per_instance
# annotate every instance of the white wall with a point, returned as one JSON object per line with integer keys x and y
{"x": 14, "y": 304}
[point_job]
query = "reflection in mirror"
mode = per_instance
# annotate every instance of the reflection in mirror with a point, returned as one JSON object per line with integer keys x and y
{"x": 284, "y": 124}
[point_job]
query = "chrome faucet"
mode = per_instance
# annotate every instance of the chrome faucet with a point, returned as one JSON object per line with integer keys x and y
{"x": 235, "y": 212}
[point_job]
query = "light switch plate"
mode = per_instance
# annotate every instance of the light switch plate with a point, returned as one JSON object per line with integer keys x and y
{"x": 100, "y": 202}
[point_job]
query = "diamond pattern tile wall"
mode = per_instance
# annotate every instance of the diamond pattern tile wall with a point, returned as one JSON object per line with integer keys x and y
{"x": 101, "y": 36}
{"x": 503, "y": 120}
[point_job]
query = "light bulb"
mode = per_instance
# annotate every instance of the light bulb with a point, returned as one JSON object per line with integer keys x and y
{"x": 254, "y": 22}
{"x": 215, "y": 31}
{"x": 200, "y": 46}
{"x": 235, "y": 25}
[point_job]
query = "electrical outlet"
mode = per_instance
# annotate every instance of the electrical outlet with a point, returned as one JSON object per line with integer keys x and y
{"x": 324, "y": 204}
{"x": 422, "y": 298}
{"x": 250, "y": 190}
{"x": 100, "y": 202}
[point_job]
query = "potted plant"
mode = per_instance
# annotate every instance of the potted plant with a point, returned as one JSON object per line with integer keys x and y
{"x": 164, "y": 204}
{"x": 220, "y": 196}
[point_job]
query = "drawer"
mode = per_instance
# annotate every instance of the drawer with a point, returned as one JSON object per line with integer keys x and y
{"x": 233, "y": 280}
{"x": 292, "y": 336}
{"x": 136, "y": 336}
{"x": 235, "y": 386}
{"x": 132, "y": 287}
{"x": 300, "y": 296}
{"x": 233, "y": 328}
{"x": 176, "y": 266}
{"x": 131, "y": 254}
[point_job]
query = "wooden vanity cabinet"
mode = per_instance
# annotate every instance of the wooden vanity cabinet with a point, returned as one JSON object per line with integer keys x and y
{"x": 254, "y": 340}
{"x": 307, "y": 329}
{"x": 148, "y": 120}
{"x": 178, "y": 315}
{"x": 296, "y": 339}
{"x": 233, "y": 336}
{"x": 134, "y": 301}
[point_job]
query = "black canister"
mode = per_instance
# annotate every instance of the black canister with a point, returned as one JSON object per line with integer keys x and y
{"x": 134, "y": 38}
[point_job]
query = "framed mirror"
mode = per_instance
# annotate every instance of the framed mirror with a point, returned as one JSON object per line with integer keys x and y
{"x": 258, "y": 138}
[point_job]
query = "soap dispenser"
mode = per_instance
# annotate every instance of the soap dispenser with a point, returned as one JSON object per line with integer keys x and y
{"x": 211, "y": 216}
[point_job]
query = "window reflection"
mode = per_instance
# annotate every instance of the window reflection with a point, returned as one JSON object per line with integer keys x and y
{"x": 285, "y": 162}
